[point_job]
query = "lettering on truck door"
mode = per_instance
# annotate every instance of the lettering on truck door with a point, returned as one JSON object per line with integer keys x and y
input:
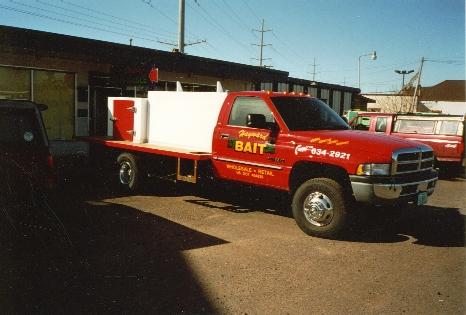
{"x": 249, "y": 153}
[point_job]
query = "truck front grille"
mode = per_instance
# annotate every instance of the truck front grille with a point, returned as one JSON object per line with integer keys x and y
{"x": 412, "y": 160}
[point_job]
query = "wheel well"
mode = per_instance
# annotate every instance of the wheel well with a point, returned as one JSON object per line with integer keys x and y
{"x": 303, "y": 171}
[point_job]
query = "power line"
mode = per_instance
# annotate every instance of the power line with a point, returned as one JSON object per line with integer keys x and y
{"x": 149, "y": 3}
{"x": 104, "y": 13}
{"x": 288, "y": 47}
{"x": 144, "y": 28}
{"x": 70, "y": 16}
{"x": 235, "y": 17}
{"x": 74, "y": 23}
{"x": 251, "y": 10}
{"x": 211, "y": 20}
{"x": 446, "y": 61}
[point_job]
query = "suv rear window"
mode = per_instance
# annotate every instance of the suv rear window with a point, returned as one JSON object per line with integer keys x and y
{"x": 449, "y": 128}
{"x": 19, "y": 127}
{"x": 415, "y": 126}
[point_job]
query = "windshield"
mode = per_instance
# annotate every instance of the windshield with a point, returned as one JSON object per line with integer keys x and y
{"x": 303, "y": 114}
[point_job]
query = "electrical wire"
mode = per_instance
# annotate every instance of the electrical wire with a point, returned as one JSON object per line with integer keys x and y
{"x": 73, "y": 17}
{"x": 237, "y": 19}
{"x": 105, "y": 14}
{"x": 144, "y": 28}
{"x": 252, "y": 11}
{"x": 149, "y": 3}
{"x": 217, "y": 25}
{"x": 74, "y": 23}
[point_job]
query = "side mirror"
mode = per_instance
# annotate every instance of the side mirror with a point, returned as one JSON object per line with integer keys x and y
{"x": 256, "y": 121}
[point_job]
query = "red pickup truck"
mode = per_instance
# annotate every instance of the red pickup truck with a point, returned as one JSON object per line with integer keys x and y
{"x": 444, "y": 133}
{"x": 285, "y": 141}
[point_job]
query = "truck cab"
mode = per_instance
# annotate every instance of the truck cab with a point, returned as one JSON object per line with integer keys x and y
{"x": 299, "y": 144}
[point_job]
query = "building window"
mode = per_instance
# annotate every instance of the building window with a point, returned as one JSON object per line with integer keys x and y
{"x": 282, "y": 87}
{"x": 267, "y": 86}
{"x": 312, "y": 91}
{"x": 336, "y": 101}
{"x": 15, "y": 84}
{"x": 325, "y": 95}
{"x": 347, "y": 101}
{"x": 298, "y": 88}
{"x": 57, "y": 91}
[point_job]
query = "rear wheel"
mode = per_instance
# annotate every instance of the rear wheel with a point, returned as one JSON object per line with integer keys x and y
{"x": 128, "y": 171}
{"x": 319, "y": 207}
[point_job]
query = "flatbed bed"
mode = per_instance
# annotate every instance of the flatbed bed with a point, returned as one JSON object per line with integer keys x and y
{"x": 150, "y": 148}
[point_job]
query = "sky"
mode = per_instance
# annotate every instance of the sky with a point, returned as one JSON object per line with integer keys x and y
{"x": 320, "y": 40}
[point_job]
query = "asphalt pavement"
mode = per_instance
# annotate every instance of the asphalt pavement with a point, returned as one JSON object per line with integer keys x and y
{"x": 228, "y": 250}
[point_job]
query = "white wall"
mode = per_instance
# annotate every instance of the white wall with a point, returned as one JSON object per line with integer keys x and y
{"x": 452, "y": 108}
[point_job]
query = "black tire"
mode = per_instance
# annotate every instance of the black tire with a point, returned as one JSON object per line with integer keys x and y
{"x": 327, "y": 216}
{"x": 128, "y": 173}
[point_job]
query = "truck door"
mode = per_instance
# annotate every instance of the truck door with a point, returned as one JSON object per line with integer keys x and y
{"x": 123, "y": 119}
{"x": 248, "y": 153}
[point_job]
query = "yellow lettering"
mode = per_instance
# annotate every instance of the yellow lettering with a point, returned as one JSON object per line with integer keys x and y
{"x": 261, "y": 148}
{"x": 247, "y": 147}
{"x": 250, "y": 147}
{"x": 239, "y": 146}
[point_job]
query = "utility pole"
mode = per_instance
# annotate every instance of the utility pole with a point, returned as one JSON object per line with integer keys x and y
{"x": 261, "y": 45}
{"x": 181, "y": 43}
{"x": 314, "y": 70}
{"x": 181, "y": 26}
{"x": 418, "y": 87}
{"x": 403, "y": 73}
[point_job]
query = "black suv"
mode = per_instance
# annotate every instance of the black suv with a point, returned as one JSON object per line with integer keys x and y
{"x": 25, "y": 161}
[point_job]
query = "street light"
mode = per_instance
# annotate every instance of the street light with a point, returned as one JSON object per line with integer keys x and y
{"x": 373, "y": 57}
{"x": 403, "y": 73}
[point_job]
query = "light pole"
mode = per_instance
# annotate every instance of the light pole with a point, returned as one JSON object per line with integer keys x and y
{"x": 373, "y": 57}
{"x": 403, "y": 73}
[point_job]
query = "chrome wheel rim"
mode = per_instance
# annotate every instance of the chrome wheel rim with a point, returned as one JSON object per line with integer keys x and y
{"x": 318, "y": 209}
{"x": 125, "y": 173}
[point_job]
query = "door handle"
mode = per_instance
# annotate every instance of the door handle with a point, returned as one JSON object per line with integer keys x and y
{"x": 224, "y": 136}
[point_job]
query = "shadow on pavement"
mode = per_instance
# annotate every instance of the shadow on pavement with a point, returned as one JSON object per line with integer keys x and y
{"x": 425, "y": 225}
{"x": 108, "y": 258}
{"x": 452, "y": 172}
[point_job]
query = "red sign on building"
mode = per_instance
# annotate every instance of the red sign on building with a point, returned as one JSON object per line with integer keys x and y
{"x": 154, "y": 75}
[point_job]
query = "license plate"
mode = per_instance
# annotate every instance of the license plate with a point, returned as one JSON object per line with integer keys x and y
{"x": 421, "y": 198}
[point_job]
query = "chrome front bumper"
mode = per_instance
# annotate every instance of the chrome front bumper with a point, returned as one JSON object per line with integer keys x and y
{"x": 381, "y": 190}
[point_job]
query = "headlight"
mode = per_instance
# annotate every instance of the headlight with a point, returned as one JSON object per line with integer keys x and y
{"x": 373, "y": 169}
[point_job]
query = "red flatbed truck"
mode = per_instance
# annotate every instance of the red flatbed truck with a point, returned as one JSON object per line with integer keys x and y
{"x": 285, "y": 141}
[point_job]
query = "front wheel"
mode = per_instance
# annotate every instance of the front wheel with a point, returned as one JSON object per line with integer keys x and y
{"x": 320, "y": 208}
